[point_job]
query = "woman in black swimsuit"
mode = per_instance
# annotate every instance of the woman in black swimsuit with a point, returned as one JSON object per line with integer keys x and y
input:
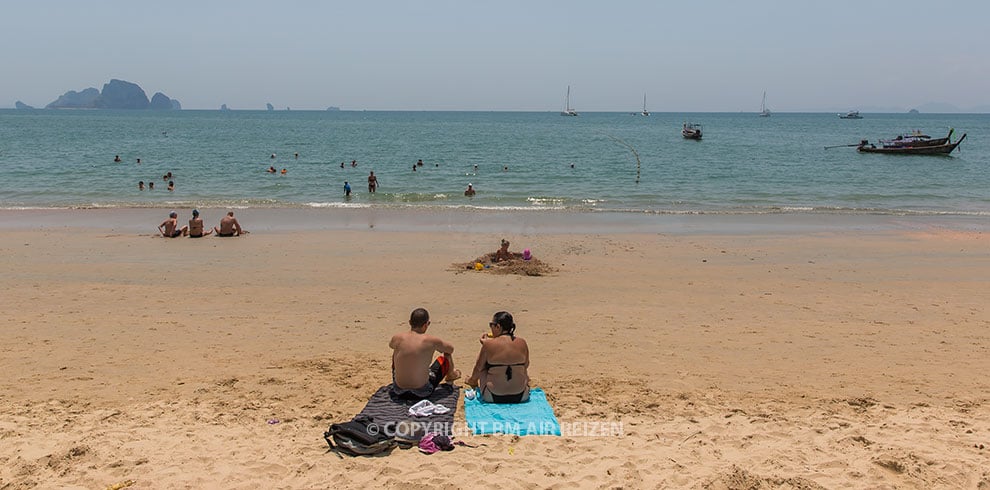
{"x": 501, "y": 372}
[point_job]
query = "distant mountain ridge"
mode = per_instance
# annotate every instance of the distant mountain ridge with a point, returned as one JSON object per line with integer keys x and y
{"x": 117, "y": 94}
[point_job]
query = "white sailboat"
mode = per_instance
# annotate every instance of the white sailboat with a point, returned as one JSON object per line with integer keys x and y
{"x": 763, "y": 107}
{"x": 645, "y": 112}
{"x": 567, "y": 104}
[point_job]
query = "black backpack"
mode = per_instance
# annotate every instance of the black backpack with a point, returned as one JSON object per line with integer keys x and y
{"x": 360, "y": 436}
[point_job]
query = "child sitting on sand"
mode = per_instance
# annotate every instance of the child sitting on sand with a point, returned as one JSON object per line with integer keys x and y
{"x": 503, "y": 252}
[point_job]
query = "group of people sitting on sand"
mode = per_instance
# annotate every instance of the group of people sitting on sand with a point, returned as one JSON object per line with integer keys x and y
{"x": 196, "y": 229}
{"x": 501, "y": 372}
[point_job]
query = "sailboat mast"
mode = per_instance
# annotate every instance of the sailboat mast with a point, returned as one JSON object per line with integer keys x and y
{"x": 567, "y": 104}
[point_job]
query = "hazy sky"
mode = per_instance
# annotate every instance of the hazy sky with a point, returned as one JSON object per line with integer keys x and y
{"x": 717, "y": 55}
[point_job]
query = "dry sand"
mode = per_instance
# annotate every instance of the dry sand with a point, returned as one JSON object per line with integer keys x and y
{"x": 829, "y": 358}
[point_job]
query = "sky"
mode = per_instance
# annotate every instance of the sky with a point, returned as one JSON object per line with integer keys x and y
{"x": 510, "y": 55}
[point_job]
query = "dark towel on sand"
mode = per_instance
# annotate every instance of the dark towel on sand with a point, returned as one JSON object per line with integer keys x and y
{"x": 391, "y": 413}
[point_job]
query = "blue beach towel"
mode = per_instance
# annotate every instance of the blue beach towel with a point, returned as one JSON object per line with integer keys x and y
{"x": 534, "y": 417}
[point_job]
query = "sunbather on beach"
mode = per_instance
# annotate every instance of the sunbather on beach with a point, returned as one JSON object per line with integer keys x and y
{"x": 195, "y": 229}
{"x": 413, "y": 374}
{"x": 229, "y": 226}
{"x": 170, "y": 227}
{"x": 502, "y": 370}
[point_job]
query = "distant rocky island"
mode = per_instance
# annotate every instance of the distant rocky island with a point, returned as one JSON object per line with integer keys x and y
{"x": 118, "y": 94}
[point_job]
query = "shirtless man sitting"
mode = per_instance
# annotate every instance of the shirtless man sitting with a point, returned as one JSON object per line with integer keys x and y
{"x": 170, "y": 227}
{"x": 195, "y": 229}
{"x": 413, "y": 376}
{"x": 229, "y": 226}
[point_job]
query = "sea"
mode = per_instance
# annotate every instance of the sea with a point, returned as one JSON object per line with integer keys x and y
{"x": 516, "y": 161}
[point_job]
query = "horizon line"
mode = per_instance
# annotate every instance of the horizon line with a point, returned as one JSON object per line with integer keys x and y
{"x": 632, "y": 112}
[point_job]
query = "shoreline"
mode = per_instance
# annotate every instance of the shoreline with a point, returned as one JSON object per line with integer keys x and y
{"x": 528, "y": 222}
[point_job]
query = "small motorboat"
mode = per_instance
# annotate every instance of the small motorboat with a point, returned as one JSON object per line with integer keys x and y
{"x": 691, "y": 131}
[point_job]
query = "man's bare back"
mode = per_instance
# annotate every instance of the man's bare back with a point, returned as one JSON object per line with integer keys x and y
{"x": 229, "y": 226}
{"x": 412, "y": 354}
{"x": 170, "y": 227}
{"x": 411, "y": 357}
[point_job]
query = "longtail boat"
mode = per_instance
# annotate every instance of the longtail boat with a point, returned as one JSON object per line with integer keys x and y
{"x": 926, "y": 149}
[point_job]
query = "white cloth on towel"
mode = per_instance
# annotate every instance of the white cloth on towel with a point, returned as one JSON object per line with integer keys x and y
{"x": 425, "y": 408}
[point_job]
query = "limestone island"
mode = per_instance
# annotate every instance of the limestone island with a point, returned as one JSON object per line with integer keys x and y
{"x": 118, "y": 94}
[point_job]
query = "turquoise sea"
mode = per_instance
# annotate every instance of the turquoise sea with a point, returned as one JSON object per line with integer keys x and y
{"x": 516, "y": 160}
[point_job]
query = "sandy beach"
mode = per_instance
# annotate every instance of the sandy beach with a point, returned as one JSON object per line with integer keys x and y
{"x": 687, "y": 352}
